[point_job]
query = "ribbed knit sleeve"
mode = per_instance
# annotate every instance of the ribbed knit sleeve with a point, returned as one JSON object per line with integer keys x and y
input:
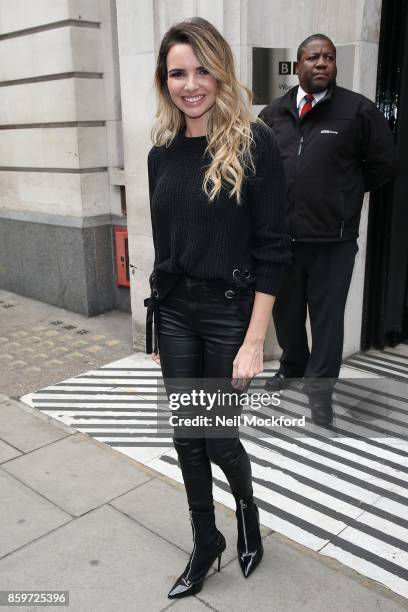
{"x": 270, "y": 243}
{"x": 152, "y": 168}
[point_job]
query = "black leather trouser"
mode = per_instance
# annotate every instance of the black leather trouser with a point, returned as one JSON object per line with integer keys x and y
{"x": 199, "y": 337}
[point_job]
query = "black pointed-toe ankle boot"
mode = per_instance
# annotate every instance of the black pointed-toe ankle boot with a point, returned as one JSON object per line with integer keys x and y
{"x": 209, "y": 543}
{"x": 249, "y": 545}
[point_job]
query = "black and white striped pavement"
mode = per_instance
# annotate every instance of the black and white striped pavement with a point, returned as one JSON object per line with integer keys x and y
{"x": 341, "y": 492}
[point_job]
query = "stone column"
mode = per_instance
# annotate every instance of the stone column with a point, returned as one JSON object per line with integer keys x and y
{"x": 57, "y": 107}
{"x": 245, "y": 24}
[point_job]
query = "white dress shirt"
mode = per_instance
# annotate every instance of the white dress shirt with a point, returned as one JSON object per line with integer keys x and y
{"x": 300, "y": 98}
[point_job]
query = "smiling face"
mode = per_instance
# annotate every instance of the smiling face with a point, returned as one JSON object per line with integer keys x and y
{"x": 317, "y": 66}
{"x": 191, "y": 87}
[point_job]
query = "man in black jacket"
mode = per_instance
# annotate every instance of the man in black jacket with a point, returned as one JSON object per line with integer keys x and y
{"x": 335, "y": 145}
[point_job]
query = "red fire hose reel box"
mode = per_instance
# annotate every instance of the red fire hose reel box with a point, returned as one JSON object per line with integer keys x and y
{"x": 121, "y": 256}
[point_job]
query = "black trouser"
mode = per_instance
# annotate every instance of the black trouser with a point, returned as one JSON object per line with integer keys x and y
{"x": 199, "y": 337}
{"x": 318, "y": 279}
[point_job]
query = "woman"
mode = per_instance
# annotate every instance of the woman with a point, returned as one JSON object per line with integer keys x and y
{"x": 217, "y": 203}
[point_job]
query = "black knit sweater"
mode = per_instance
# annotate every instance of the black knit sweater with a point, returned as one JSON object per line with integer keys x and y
{"x": 209, "y": 240}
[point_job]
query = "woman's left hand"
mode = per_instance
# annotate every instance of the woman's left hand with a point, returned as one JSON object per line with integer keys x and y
{"x": 156, "y": 358}
{"x": 247, "y": 363}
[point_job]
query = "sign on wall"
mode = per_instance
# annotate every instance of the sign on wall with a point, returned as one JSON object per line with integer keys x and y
{"x": 274, "y": 71}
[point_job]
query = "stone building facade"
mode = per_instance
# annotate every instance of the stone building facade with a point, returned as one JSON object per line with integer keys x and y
{"x": 76, "y": 107}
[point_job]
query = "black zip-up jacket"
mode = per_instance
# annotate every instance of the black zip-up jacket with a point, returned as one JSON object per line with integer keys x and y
{"x": 340, "y": 149}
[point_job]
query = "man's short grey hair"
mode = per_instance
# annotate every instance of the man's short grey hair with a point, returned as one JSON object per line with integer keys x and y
{"x": 309, "y": 39}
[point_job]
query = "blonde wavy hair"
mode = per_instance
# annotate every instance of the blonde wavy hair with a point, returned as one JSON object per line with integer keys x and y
{"x": 229, "y": 133}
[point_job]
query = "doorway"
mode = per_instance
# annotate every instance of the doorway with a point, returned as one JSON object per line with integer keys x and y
{"x": 385, "y": 306}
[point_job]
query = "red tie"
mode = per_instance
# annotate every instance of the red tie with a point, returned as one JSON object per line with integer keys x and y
{"x": 307, "y": 105}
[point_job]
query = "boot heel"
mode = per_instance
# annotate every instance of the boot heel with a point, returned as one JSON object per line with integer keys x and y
{"x": 219, "y": 562}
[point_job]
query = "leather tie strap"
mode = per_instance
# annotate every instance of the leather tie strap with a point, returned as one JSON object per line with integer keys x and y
{"x": 307, "y": 105}
{"x": 152, "y": 317}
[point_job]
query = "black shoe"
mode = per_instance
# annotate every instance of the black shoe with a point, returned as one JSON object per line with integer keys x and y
{"x": 209, "y": 544}
{"x": 277, "y": 382}
{"x": 249, "y": 545}
{"x": 322, "y": 412}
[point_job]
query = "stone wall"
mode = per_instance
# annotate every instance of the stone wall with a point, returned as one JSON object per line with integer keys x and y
{"x": 60, "y": 141}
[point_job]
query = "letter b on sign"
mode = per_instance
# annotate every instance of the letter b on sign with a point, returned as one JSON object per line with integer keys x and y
{"x": 285, "y": 68}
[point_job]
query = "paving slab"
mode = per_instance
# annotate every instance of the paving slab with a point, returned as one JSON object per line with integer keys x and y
{"x": 77, "y": 473}
{"x": 190, "y": 604}
{"x": 26, "y": 431}
{"x": 289, "y": 580}
{"x": 7, "y": 452}
{"x": 24, "y": 515}
{"x": 104, "y": 559}
{"x": 162, "y": 507}
{"x": 41, "y": 344}
{"x": 97, "y": 551}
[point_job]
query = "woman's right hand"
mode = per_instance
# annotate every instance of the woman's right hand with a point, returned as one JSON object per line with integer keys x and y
{"x": 156, "y": 358}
